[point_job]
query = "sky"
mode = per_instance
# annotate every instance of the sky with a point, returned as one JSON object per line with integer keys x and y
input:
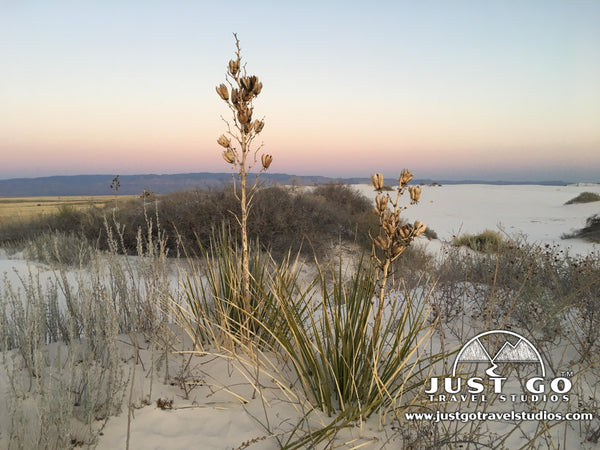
{"x": 493, "y": 90}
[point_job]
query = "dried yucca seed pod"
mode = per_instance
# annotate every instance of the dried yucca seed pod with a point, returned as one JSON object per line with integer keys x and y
{"x": 381, "y": 202}
{"x": 389, "y": 227}
{"x": 419, "y": 228}
{"x": 234, "y": 66}
{"x": 380, "y": 242}
{"x": 247, "y": 95}
{"x": 258, "y": 126}
{"x": 377, "y": 180}
{"x": 397, "y": 250}
{"x": 229, "y": 156}
{"x": 415, "y": 193}
{"x": 247, "y": 83}
{"x": 224, "y": 141}
{"x": 257, "y": 88}
{"x": 235, "y": 96}
{"x": 244, "y": 116}
{"x": 405, "y": 177}
{"x": 405, "y": 232}
{"x": 223, "y": 92}
{"x": 266, "y": 160}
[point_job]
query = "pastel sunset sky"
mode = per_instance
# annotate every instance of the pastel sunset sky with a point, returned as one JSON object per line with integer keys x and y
{"x": 451, "y": 89}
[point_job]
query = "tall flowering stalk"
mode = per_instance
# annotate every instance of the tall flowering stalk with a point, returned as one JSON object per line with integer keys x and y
{"x": 239, "y": 93}
{"x": 394, "y": 237}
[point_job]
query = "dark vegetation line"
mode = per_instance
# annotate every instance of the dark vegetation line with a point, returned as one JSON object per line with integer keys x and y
{"x": 304, "y": 219}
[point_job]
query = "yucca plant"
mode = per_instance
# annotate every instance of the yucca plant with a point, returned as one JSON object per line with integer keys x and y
{"x": 331, "y": 342}
{"x": 213, "y": 311}
{"x": 394, "y": 236}
{"x": 239, "y": 94}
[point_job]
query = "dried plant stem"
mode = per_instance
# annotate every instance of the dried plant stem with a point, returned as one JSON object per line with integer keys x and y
{"x": 244, "y": 204}
{"x": 130, "y": 402}
{"x": 244, "y": 89}
{"x": 383, "y": 277}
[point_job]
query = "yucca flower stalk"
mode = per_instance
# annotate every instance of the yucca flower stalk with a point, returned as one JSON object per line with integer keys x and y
{"x": 239, "y": 93}
{"x": 394, "y": 237}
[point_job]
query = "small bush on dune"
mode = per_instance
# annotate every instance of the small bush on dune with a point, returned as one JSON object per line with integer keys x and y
{"x": 213, "y": 292}
{"x": 487, "y": 241}
{"x": 284, "y": 220}
{"x": 591, "y": 231}
{"x": 584, "y": 197}
{"x": 347, "y": 199}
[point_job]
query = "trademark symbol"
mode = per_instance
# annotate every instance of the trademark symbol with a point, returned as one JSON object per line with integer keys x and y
{"x": 567, "y": 374}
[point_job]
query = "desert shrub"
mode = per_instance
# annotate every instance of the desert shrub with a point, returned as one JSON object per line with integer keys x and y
{"x": 59, "y": 247}
{"x": 284, "y": 220}
{"x": 591, "y": 231}
{"x": 584, "y": 197}
{"x": 582, "y": 276}
{"x": 410, "y": 267}
{"x": 310, "y": 220}
{"x": 67, "y": 221}
{"x": 430, "y": 233}
{"x": 344, "y": 196}
{"x": 72, "y": 387}
{"x": 530, "y": 285}
{"x": 59, "y": 337}
{"x": 487, "y": 241}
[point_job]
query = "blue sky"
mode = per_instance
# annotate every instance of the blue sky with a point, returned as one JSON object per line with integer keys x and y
{"x": 449, "y": 89}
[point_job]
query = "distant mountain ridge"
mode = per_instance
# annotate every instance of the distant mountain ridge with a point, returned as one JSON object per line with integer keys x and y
{"x": 162, "y": 184}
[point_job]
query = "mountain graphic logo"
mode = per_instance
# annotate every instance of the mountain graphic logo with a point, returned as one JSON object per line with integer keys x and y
{"x": 513, "y": 348}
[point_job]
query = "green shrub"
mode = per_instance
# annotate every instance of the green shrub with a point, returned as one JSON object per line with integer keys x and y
{"x": 487, "y": 241}
{"x": 584, "y": 197}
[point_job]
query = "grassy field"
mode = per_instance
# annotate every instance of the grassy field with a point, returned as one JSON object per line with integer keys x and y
{"x": 19, "y": 208}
